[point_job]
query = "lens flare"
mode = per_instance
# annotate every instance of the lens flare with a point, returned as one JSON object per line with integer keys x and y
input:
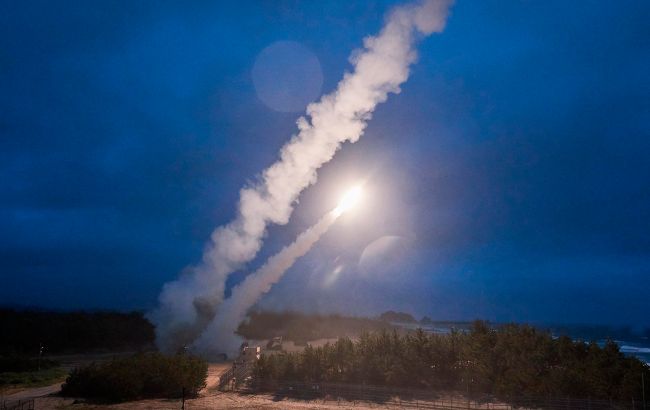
{"x": 349, "y": 200}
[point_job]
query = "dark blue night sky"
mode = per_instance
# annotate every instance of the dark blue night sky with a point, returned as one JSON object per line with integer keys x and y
{"x": 510, "y": 180}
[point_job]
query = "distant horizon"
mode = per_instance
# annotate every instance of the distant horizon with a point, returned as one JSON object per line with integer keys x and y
{"x": 418, "y": 318}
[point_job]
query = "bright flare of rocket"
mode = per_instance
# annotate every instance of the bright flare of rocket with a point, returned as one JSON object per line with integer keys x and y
{"x": 349, "y": 200}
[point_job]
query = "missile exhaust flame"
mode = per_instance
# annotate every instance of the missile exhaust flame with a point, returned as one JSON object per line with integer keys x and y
{"x": 349, "y": 200}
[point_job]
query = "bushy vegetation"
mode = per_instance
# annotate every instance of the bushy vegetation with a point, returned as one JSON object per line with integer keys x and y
{"x": 513, "y": 360}
{"x": 301, "y": 328}
{"x": 38, "y": 378}
{"x": 61, "y": 332}
{"x": 151, "y": 375}
{"x": 25, "y": 371}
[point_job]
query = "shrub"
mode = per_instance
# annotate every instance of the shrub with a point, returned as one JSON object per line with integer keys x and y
{"x": 151, "y": 375}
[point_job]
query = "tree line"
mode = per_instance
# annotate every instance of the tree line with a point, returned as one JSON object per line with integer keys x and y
{"x": 509, "y": 361}
{"x": 301, "y": 327}
{"x": 141, "y": 376}
{"x": 26, "y": 331}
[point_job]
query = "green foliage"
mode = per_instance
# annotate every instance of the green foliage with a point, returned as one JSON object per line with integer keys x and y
{"x": 151, "y": 375}
{"x": 60, "y": 332}
{"x": 513, "y": 360}
{"x": 37, "y": 378}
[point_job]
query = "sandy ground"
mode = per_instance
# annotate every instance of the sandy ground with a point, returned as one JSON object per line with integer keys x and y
{"x": 215, "y": 401}
{"x": 214, "y": 371}
{"x": 209, "y": 398}
{"x": 32, "y": 392}
{"x": 228, "y": 400}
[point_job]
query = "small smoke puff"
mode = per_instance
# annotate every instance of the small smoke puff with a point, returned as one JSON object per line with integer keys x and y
{"x": 431, "y": 16}
{"x": 428, "y": 16}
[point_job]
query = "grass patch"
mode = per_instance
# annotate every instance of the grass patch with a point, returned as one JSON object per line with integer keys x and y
{"x": 40, "y": 378}
{"x": 20, "y": 363}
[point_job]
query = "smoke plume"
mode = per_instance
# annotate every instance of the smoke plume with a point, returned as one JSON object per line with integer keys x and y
{"x": 188, "y": 304}
{"x": 219, "y": 336}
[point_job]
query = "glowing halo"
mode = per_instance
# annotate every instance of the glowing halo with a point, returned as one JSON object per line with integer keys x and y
{"x": 349, "y": 200}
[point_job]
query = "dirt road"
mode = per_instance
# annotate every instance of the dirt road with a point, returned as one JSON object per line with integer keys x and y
{"x": 211, "y": 402}
{"x": 209, "y": 398}
{"x": 45, "y": 397}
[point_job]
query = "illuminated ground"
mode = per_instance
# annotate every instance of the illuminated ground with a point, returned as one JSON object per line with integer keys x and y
{"x": 210, "y": 398}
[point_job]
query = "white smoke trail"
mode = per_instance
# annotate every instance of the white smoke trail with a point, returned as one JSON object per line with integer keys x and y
{"x": 219, "y": 336}
{"x": 187, "y": 304}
